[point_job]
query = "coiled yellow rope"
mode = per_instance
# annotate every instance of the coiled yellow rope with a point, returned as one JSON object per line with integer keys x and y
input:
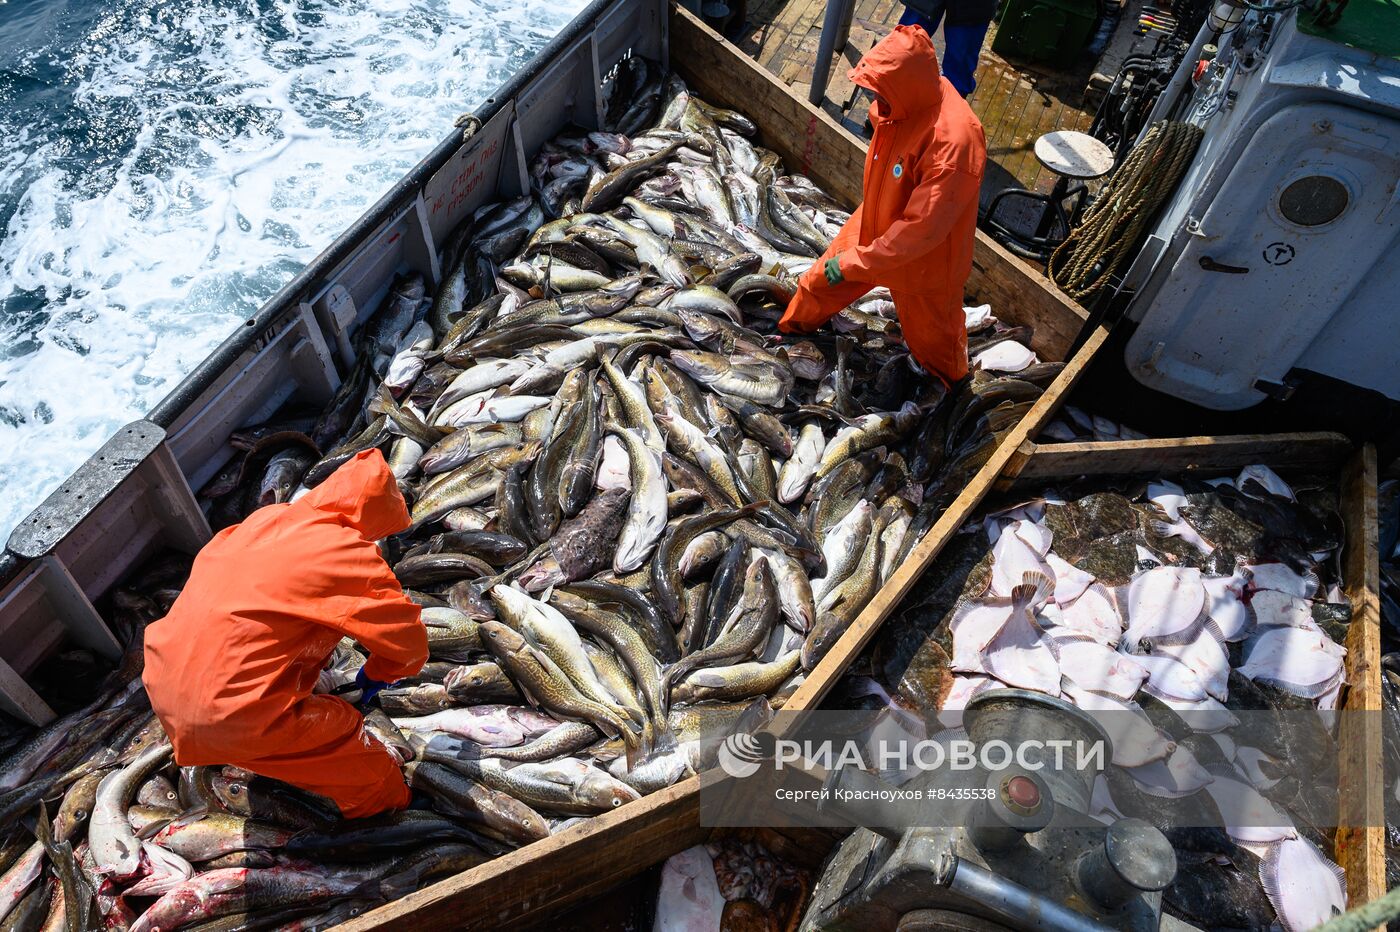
{"x": 1111, "y": 228}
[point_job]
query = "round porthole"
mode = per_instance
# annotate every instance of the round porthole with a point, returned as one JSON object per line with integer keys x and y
{"x": 1313, "y": 201}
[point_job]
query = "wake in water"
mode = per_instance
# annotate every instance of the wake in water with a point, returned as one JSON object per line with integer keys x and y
{"x": 166, "y": 165}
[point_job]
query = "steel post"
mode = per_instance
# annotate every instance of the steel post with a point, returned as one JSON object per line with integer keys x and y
{"x": 836, "y": 26}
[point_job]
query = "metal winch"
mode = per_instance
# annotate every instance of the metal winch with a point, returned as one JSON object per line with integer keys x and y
{"x": 1023, "y": 855}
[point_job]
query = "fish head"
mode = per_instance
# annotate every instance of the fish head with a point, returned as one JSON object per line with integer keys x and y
{"x": 611, "y": 500}
{"x": 277, "y": 486}
{"x": 700, "y": 365}
{"x": 601, "y": 791}
{"x": 701, "y": 327}
{"x": 653, "y": 295}
{"x": 807, "y": 360}
{"x": 471, "y": 676}
{"x": 665, "y": 416}
{"x": 758, "y": 577}
{"x": 510, "y": 602}
{"x": 526, "y": 451}
{"x": 466, "y": 596}
{"x": 232, "y": 791}
{"x": 544, "y": 573}
{"x": 571, "y": 604}
{"x": 501, "y": 639}
{"x": 68, "y": 822}
{"x": 412, "y": 288}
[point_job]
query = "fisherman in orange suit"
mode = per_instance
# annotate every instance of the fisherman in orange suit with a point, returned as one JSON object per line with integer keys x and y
{"x": 914, "y": 232}
{"x": 231, "y": 668}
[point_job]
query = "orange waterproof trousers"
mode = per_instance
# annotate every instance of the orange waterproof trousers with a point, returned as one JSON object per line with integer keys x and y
{"x": 231, "y": 668}
{"x": 323, "y": 747}
{"x": 940, "y": 349}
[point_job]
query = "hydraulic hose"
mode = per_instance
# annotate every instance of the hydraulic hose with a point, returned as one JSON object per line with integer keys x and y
{"x": 1109, "y": 232}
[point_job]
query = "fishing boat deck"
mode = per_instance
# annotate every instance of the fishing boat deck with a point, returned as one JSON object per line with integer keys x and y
{"x": 1016, "y": 102}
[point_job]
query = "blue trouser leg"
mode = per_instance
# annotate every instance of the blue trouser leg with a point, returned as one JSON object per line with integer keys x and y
{"x": 913, "y": 17}
{"x": 962, "y": 46}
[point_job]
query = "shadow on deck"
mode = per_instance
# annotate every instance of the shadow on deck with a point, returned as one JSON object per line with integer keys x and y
{"x": 1016, "y": 102}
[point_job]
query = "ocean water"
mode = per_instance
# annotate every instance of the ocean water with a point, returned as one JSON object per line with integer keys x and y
{"x": 166, "y": 165}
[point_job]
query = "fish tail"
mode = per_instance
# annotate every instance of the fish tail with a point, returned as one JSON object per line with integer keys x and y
{"x": 663, "y": 739}
{"x": 632, "y": 744}
{"x": 677, "y": 671}
{"x": 1163, "y": 528}
{"x": 1311, "y": 584}
{"x": 1034, "y": 590}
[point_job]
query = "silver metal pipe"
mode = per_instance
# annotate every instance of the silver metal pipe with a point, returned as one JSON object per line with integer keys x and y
{"x": 834, "y": 28}
{"x": 1015, "y": 905}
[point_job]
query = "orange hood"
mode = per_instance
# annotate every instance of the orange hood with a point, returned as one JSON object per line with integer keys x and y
{"x": 903, "y": 69}
{"x": 362, "y": 495}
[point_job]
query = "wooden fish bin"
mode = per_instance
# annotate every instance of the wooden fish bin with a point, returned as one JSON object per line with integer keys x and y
{"x": 546, "y": 877}
{"x": 560, "y": 876}
{"x": 134, "y": 497}
{"x": 1360, "y": 842}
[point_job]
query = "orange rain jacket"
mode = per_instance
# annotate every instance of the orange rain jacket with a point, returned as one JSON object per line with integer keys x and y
{"x": 230, "y": 669}
{"x": 914, "y": 232}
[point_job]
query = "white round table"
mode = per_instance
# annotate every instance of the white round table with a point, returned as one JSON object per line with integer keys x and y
{"x": 1072, "y": 154}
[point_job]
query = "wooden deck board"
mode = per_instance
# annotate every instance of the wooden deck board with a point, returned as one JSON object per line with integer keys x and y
{"x": 1016, "y": 103}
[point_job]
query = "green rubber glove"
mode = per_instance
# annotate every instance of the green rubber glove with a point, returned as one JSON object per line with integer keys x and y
{"x": 833, "y": 271}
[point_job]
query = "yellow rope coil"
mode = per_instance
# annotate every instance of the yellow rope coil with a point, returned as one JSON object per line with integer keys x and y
{"x": 1111, "y": 228}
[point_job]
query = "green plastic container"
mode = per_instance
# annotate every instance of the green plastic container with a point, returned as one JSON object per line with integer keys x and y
{"x": 1051, "y": 32}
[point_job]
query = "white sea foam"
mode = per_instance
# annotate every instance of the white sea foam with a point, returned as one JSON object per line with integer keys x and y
{"x": 220, "y": 145}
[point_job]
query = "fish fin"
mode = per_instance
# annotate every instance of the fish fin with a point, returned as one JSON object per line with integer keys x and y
{"x": 1034, "y": 589}
{"x": 1211, "y": 628}
{"x": 382, "y": 402}
{"x": 1053, "y": 643}
{"x": 1337, "y": 870}
{"x": 663, "y": 739}
{"x": 154, "y": 828}
{"x": 633, "y": 750}
{"x": 1311, "y": 584}
{"x": 418, "y": 744}
{"x": 1271, "y": 879}
{"x": 1162, "y": 528}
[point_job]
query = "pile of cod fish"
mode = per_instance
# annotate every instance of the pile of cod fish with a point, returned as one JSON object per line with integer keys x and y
{"x": 639, "y": 515}
{"x": 1171, "y": 607}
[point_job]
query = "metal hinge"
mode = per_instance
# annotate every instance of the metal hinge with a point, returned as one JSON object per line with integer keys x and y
{"x": 1278, "y": 391}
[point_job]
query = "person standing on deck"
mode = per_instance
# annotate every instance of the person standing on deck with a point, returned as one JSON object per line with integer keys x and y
{"x": 965, "y": 24}
{"x": 230, "y": 670}
{"x": 914, "y": 231}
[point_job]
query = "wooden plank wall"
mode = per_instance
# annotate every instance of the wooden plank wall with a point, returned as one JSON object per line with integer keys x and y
{"x": 546, "y": 877}
{"x": 1360, "y": 842}
{"x": 1183, "y": 454}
